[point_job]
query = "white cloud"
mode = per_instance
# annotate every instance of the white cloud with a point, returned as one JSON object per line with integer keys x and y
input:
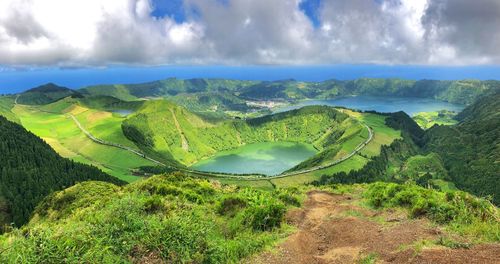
{"x": 96, "y": 33}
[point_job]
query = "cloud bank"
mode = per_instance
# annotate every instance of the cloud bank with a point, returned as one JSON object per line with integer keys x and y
{"x": 76, "y": 33}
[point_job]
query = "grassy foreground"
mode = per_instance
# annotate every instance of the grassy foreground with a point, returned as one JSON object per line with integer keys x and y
{"x": 172, "y": 218}
{"x": 177, "y": 219}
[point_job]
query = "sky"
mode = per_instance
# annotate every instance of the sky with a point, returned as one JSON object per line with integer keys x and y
{"x": 44, "y": 37}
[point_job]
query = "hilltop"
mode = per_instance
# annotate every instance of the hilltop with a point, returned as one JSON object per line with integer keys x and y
{"x": 45, "y": 94}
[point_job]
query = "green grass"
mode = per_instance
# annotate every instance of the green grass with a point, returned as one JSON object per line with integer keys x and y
{"x": 428, "y": 119}
{"x": 383, "y": 135}
{"x": 66, "y": 138}
{"x": 171, "y": 218}
{"x": 460, "y": 212}
{"x": 6, "y": 105}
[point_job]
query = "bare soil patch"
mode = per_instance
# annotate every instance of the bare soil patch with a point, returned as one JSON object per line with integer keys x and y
{"x": 332, "y": 229}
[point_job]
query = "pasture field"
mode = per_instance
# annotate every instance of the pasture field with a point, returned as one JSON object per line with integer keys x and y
{"x": 6, "y": 105}
{"x": 62, "y": 134}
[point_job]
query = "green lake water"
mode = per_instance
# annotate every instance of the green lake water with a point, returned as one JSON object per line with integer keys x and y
{"x": 269, "y": 158}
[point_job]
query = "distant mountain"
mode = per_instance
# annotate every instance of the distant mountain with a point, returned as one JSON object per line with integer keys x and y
{"x": 168, "y": 87}
{"x": 45, "y": 94}
{"x": 30, "y": 170}
{"x": 462, "y": 91}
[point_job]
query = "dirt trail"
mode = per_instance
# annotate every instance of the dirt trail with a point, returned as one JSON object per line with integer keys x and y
{"x": 331, "y": 229}
{"x": 184, "y": 142}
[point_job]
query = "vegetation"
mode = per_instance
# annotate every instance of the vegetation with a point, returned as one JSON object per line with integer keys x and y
{"x": 45, "y": 94}
{"x": 170, "y": 218}
{"x": 471, "y": 150}
{"x": 30, "y": 170}
{"x": 6, "y": 105}
{"x": 51, "y": 123}
{"x": 428, "y": 119}
{"x": 185, "y": 138}
{"x": 460, "y": 211}
{"x": 462, "y": 92}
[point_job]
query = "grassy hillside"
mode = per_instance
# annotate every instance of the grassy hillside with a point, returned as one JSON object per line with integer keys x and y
{"x": 175, "y": 133}
{"x": 384, "y": 135}
{"x": 167, "y": 218}
{"x": 471, "y": 149}
{"x": 30, "y": 170}
{"x": 6, "y": 105}
{"x": 45, "y": 94}
{"x": 177, "y": 219}
{"x": 51, "y": 123}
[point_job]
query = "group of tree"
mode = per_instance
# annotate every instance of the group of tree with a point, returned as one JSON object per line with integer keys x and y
{"x": 469, "y": 151}
{"x": 30, "y": 169}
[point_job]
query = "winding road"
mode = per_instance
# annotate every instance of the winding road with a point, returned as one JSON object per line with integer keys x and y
{"x": 108, "y": 143}
{"x": 221, "y": 175}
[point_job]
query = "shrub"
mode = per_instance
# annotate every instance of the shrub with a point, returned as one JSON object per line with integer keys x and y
{"x": 265, "y": 218}
{"x": 230, "y": 205}
{"x": 153, "y": 204}
{"x": 463, "y": 211}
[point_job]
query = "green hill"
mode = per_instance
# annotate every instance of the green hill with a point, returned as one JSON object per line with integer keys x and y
{"x": 171, "y": 219}
{"x": 471, "y": 149}
{"x": 462, "y": 91}
{"x": 30, "y": 170}
{"x": 45, "y": 94}
{"x": 174, "y": 133}
{"x": 177, "y": 219}
{"x": 464, "y": 155}
{"x": 6, "y": 105}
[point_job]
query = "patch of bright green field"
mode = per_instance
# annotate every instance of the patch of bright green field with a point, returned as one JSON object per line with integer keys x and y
{"x": 6, "y": 105}
{"x": 67, "y": 139}
{"x": 428, "y": 119}
{"x": 382, "y": 134}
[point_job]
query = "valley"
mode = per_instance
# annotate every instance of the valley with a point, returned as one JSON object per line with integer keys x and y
{"x": 193, "y": 153}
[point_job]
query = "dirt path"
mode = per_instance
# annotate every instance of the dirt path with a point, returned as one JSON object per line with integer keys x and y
{"x": 331, "y": 229}
{"x": 184, "y": 142}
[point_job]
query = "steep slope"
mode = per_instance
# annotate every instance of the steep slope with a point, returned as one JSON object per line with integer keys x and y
{"x": 176, "y": 219}
{"x": 471, "y": 149}
{"x": 468, "y": 151}
{"x": 163, "y": 219}
{"x": 45, "y": 94}
{"x": 175, "y": 133}
{"x": 6, "y": 105}
{"x": 30, "y": 170}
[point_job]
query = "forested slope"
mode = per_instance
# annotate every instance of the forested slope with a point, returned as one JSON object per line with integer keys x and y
{"x": 469, "y": 152}
{"x": 471, "y": 149}
{"x": 30, "y": 170}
